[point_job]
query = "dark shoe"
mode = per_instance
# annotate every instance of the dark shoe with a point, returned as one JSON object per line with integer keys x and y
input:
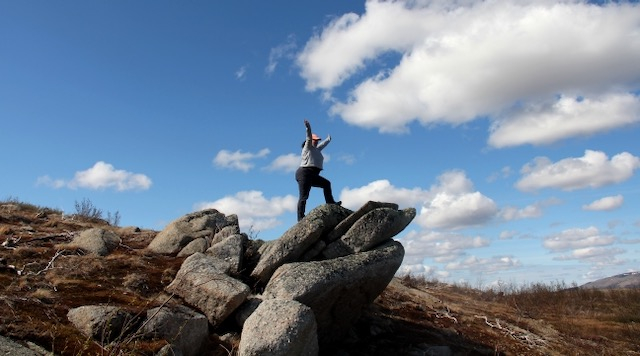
{"x": 338, "y": 203}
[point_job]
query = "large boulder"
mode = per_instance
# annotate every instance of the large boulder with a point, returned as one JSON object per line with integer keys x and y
{"x": 280, "y": 328}
{"x": 291, "y": 246}
{"x": 231, "y": 250}
{"x": 178, "y": 233}
{"x": 103, "y": 323}
{"x": 202, "y": 282}
{"x": 97, "y": 241}
{"x": 185, "y": 329}
{"x": 198, "y": 245}
{"x": 346, "y": 224}
{"x": 337, "y": 289}
{"x": 224, "y": 233}
{"x": 372, "y": 229}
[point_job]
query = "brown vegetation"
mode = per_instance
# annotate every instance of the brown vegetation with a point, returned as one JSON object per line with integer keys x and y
{"x": 41, "y": 279}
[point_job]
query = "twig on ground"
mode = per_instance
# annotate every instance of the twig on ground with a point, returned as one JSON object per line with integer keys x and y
{"x": 532, "y": 340}
{"x": 10, "y": 243}
{"x": 446, "y": 313}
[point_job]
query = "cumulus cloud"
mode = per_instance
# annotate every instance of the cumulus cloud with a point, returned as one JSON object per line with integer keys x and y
{"x": 451, "y": 249}
{"x": 454, "y": 203}
{"x": 513, "y": 213}
{"x": 542, "y": 78}
{"x": 286, "y": 163}
{"x": 485, "y": 265}
{"x": 606, "y": 203}
{"x": 568, "y": 117}
{"x": 442, "y": 247}
{"x": 239, "y": 160}
{"x": 598, "y": 256}
{"x": 418, "y": 269}
{"x": 382, "y": 190}
{"x": 576, "y": 239}
{"x": 255, "y": 212}
{"x": 507, "y": 235}
{"x": 101, "y": 176}
{"x": 592, "y": 170}
{"x": 586, "y": 245}
{"x": 535, "y": 210}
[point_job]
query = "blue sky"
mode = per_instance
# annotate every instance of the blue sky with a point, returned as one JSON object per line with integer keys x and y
{"x": 511, "y": 126}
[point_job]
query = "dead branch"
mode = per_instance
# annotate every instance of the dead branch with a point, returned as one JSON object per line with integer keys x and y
{"x": 531, "y": 339}
{"x": 446, "y": 313}
{"x": 10, "y": 243}
{"x": 50, "y": 264}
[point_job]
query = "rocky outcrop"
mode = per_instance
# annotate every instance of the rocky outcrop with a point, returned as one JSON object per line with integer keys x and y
{"x": 292, "y": 296}
{"x": 180, "y": 232}
{"x": 374, "y": 228}
{"x": 337, "y": 289}
{"x": 298, "y": 239}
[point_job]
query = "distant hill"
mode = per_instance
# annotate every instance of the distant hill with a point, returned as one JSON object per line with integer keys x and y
{"x": 620, "y": 281}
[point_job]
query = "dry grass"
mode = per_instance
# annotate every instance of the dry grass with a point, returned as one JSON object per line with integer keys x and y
{"x": 410, "y": 314}
{"x": 570, "y": 320}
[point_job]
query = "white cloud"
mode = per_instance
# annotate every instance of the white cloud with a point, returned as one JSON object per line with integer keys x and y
{"x": 451, "y": 249}
{"x": 567, "y": 117}
{"x": 382, "y": 190}
{"x": 505, "y": 172}
{"x": 455, "y": 204}
{"x": 101, "y": 176}
{"x": 286, "y": 163}
{"x": 606, "y": 203}
{"x": 50, "y": 182}
{"x": 417, "y": 269}
{"x": 512, "y": 213}
{"x": 442, "y": 247}
{"x": 485, "y": 265}
{"x": 241, "y": 73}
{"x": 575, "y": 239}
{"x": 587, "y": 245}
{"x": 530, "y": 211}
{"x": 458, "y": 61}
{"x": 507, "y": 235}
{"x": 254, "y": 211}
{"x": 238, "y": 160}
{"x": 347, "y": 159}
{"x": 593, "y": 170}
{"x": 285, "y": 50}
{"x": 598, "y": 256}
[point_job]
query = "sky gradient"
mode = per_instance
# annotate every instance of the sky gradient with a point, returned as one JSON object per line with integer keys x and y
{"x": 511, "y": 126}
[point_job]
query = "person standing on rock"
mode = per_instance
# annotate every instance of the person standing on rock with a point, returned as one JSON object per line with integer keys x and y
{"x": 308, "y": 174}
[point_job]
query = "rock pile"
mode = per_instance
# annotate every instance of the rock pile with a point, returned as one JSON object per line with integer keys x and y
{"x": 296, "y": 295}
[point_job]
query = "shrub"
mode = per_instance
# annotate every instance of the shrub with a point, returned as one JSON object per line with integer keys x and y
{"x": 86, "y": 209}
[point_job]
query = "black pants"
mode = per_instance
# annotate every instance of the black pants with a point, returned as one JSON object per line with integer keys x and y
{"x": 308, "y": 177}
